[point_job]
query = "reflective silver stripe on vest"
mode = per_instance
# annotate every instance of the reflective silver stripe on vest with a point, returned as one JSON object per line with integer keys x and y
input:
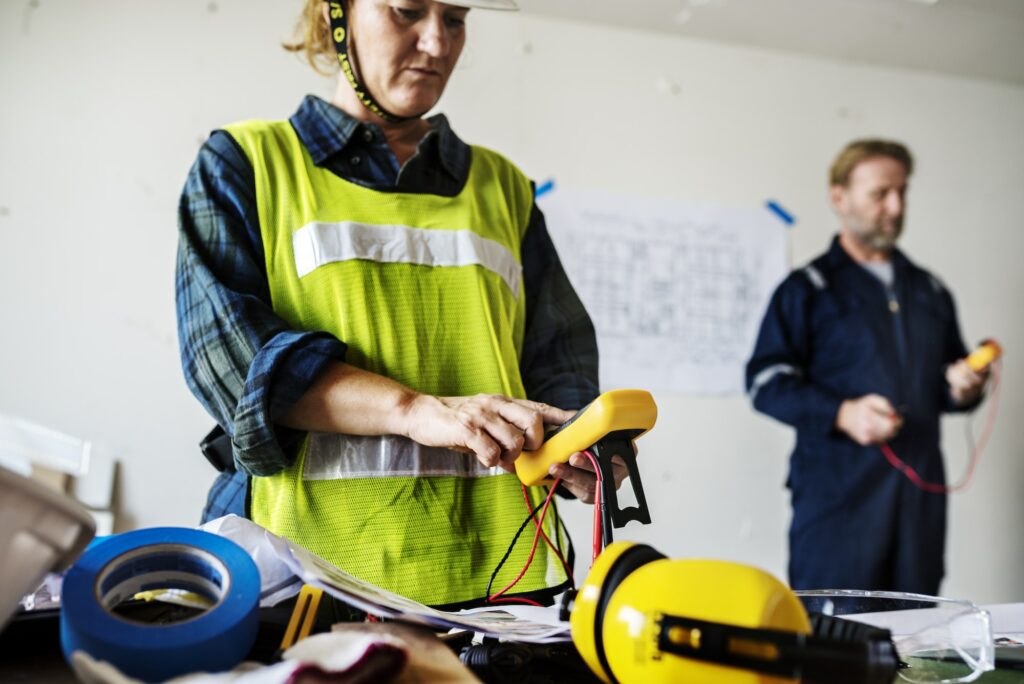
{"x": 768, "y": 374}
{"x": 331, "y": 456}
{"x": 317, "y": 244}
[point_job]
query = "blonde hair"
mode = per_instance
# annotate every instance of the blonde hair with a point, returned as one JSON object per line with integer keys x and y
{"x": 860, "y": 150}
{"x": 312, "y": 38}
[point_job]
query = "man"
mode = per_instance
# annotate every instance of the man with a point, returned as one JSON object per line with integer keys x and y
{"x": 859, "y": 348}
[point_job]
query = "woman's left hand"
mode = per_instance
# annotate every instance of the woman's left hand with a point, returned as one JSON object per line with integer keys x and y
{"x": 578, "y": 475}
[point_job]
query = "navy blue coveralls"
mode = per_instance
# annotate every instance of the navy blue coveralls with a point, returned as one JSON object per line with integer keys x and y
{"x": 833, "y": 332}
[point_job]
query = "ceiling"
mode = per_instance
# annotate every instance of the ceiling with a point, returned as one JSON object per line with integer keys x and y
{"x": 981, "y": 39}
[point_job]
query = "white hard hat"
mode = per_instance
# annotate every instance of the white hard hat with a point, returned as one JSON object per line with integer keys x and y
{"x": 484, "y": 4}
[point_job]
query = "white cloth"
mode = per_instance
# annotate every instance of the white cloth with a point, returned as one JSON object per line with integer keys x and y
{"x": 337, "y": 656}
{"x": 278, "y": 581}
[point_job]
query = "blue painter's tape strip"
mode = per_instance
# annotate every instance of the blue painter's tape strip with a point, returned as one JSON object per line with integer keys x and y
{"x": 777, "y": 209}
{"x": 167, "y": 558}
{"x": 544, "y": 188}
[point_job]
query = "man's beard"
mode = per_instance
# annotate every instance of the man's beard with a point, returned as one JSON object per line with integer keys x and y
{"x": 876, "y": 237}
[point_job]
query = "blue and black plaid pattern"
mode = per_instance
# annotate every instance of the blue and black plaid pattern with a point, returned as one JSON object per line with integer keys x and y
{"x": 227, "y": 495}
{"x": 244, "y": 363}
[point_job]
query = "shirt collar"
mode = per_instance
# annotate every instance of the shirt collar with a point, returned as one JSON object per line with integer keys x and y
{"x": 326, "y": 130}
{"x": 448, "y": 147}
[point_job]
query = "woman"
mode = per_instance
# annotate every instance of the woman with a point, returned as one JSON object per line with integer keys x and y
{"x": 374, "y": 312}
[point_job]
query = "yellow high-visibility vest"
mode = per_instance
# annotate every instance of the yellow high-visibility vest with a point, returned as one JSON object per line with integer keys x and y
{"x": 426, "y": 290}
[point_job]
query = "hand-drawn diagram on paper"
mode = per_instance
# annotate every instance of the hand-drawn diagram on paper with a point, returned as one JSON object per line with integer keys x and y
{"x": 676, "y": 290}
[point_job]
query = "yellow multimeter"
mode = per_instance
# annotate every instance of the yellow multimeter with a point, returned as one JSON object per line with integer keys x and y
{"x": 607, "y": 427}
{"x": 619, "y": 410}
{"x": 986, "y": 354}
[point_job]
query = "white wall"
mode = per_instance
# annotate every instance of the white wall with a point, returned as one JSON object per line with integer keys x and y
{"x": 103, "y": 104}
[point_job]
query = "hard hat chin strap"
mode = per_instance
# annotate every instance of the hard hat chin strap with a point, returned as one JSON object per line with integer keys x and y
{"x": 340, "y": 36}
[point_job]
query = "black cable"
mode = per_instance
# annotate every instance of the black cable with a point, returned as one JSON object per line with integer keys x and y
{"x": 511, "y": 546}
{"x": 570, "y": 558}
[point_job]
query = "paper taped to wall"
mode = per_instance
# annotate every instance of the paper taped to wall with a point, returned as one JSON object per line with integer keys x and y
{"x": 676, "y": 290}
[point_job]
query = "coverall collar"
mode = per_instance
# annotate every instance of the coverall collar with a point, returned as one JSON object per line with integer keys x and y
{"x": 838, "y": 258}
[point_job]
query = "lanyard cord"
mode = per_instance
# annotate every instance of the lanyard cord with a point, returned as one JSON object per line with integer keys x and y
{"x": 340, "y": 35}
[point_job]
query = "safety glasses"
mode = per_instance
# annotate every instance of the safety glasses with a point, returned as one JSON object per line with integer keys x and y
{"x": 938, "y": 640}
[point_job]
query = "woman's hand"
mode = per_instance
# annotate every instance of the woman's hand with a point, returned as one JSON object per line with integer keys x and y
{"x": 578, "y": 475}
{"x": 492, "y": 427}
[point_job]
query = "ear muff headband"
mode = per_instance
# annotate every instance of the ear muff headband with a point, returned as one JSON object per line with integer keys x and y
{"x": 340, "y": 37}
{"x": 633, "y": 558}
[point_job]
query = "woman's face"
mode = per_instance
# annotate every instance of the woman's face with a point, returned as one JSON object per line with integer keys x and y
{"x": 406, "y": 50}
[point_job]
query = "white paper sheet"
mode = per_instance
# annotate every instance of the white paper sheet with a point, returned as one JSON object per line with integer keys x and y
{"x": 676, "y": 290}
{"x": 284, "y": 565}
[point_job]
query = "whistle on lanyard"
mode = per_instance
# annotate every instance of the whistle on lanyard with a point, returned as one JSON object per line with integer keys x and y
{"x": 984, "y": 356}
{"x": 606, "y": 427}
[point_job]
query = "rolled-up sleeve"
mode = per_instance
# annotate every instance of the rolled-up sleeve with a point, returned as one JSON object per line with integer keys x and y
{"x": 241, "y": 360}
{"x": 559, "y": 363}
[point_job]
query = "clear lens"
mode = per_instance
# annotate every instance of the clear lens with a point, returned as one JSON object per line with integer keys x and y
{"x": 938, "y": 640}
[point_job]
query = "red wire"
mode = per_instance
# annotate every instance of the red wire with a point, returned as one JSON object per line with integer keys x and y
{"x": 529, "y": 508}
{"x": 520, "y": 599}
{"x": 539, "y": 522}
{"x": 533, "y": 549}
{"x": 598, "y": 540}
{"x": 898, "y": 464}
{"x": 935, "y": 487}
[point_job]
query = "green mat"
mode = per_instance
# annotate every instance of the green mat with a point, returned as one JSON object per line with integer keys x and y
{"x": 944, "y": 670}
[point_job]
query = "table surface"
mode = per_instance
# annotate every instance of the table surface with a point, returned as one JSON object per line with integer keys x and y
{"x": 33, "y": 654}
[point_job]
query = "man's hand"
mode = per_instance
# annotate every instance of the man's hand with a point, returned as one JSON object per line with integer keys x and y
{"x": 871, "y": 419}
{"x": 578, "y": 475}
{"x": 492, "y": 427}
{"x": 965, "y": 385}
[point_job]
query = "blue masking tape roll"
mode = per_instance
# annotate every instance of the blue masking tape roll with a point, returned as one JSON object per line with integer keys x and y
{"x": 161, "y": 558}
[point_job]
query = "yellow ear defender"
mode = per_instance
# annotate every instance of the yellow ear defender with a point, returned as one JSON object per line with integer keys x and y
{"x": 641, "y": 617}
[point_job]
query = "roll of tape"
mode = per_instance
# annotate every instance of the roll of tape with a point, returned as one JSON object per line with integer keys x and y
{"x": 161, "y": 558}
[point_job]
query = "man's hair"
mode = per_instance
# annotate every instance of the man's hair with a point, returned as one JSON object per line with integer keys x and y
{"x": 861, "y": 150}
{"x": 313, "y": 39}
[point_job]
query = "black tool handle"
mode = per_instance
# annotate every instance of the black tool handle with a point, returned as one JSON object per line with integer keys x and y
{"x": 869, "y": 659}
{"x": 619, "y": 444}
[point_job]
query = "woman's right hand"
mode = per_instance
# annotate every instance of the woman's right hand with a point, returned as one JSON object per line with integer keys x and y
{"x": 492, "y": 427}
